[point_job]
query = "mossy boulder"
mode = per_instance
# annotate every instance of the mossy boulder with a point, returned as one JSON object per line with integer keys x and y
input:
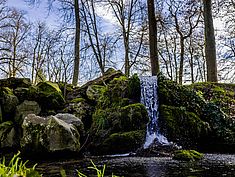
{"x": 221, "y": 94}
{"x": 50, "y": 96}
{"x": 94, "y": 92}
{"x": 81, "y": 109}
{"x": 197, "y": 108}
{"x": 7, "y": 135}
{"x": 182, "y": 127}
{"x": 128, "y": 118}
{"x": 9, "y": 103}
{"x": 13, "y": 82}
{"x": 187, "y": 155}
{"x": 115, "y": 121}
{"x": 25, "y": 108}
{"x": 121, "y": 91}
{"x": 48, "y": 135}
{"x": 123, "y": 142}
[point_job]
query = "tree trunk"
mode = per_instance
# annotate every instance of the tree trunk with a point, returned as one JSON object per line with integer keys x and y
{"x": 153, "y": 38}
{"x": 210, "y": 48}
{"x": 77, "y": 43}
{"x": 181, "y": 70}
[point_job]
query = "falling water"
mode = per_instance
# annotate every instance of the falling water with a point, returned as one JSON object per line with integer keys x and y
{"x": 149, "y": 97}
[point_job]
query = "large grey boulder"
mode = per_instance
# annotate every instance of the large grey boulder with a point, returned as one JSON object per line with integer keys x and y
{"x": 25, "y": 108}
{"x": 49, "y": 134}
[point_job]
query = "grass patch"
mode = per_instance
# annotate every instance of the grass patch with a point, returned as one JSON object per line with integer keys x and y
{"x": 17, "y": 168}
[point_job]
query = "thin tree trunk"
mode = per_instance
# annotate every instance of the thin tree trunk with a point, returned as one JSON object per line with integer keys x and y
{"x": 181, "y": 69}
{"x": 77, "y": 44}
{"x": 210, "y": 48}
{"x": 153, "y": 38}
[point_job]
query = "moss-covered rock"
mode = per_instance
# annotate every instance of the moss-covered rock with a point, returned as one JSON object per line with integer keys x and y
{"x": 123, "y": 142}
{"x": 49, "y": 96}
{"x": 221, "y": 94}
{"x": 183, "y": 127}
{"x": 94, "y": 92}
{"x": 48, "y": 135}
{"x": 115, "y": 121}
{"x": 7, "y": 135}
{"x": 25, "y": 108}
{"x": 121, "y": 119}
{"x": 81, "y": 109}
{"x": 200, "y": 108}
{"x": 9, "y": 103}
{"x": 13, "y": 82}
{"x": 187, "y": 155}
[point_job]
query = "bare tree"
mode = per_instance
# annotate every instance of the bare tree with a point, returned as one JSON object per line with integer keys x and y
{"x": 14, "y": 39}
{"x": 186, "y": 17}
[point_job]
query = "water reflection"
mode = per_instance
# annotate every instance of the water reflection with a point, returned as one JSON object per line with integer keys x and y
{"x": 210, "y": 166}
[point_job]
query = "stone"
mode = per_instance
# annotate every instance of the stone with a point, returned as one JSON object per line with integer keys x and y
{"x": 94, "y": 92}
{"x": 9, "y": 103}
{"x": 22, "y": 93}
{"x": 81, "y": 109}
{"x": 13, "y": 82}
{"x": 49, "y": 96}
{"x": 48, "y": 134}
{"x": 25, "y": 108}
{"x": 73, "y": 120}
{"x": 7, "y": 135}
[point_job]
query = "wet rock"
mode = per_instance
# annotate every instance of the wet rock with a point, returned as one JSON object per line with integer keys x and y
{"x": 157, "y": 150}
{"x": 25, "y": 108}
{"x": 48, "y": 135}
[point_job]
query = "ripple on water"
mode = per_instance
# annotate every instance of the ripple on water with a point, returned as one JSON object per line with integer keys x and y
{"x": 213, "y": 165}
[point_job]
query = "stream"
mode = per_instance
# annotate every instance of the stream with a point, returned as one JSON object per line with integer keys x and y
{"x": 212, "y": 165}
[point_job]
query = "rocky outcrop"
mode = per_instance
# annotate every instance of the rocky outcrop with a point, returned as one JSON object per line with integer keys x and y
{"x": 50, "y": 134}
{"x": 192, "y": 120}
{"x": 25, "y": 108}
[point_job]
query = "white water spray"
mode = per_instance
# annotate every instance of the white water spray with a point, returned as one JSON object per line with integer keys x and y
{"x": 149, "y": 97}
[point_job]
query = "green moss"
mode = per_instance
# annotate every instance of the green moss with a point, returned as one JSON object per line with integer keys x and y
{"x": 134, "y": 117}
{"x": 49, "y": 96}
{"x": 77, "y": 100}
{"x": 94, "y": 92}
{"x": 123, "y": 142}
{"x": 187, "y": 155}
{"x": 49, "y": 87}
{"x": 182, "y": 126}
{"x": 134, "y": 88}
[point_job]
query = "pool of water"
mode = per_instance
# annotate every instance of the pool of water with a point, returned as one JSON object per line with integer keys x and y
{"x": 212, "y": 165}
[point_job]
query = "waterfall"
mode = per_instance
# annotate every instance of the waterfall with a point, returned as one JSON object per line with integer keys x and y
{"x": 149, "y": 97}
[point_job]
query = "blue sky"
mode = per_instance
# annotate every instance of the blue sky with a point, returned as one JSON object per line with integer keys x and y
{"x": 34, "y": 13}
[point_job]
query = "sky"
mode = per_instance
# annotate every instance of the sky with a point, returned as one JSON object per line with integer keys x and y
{"x": 34, "y": 13}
